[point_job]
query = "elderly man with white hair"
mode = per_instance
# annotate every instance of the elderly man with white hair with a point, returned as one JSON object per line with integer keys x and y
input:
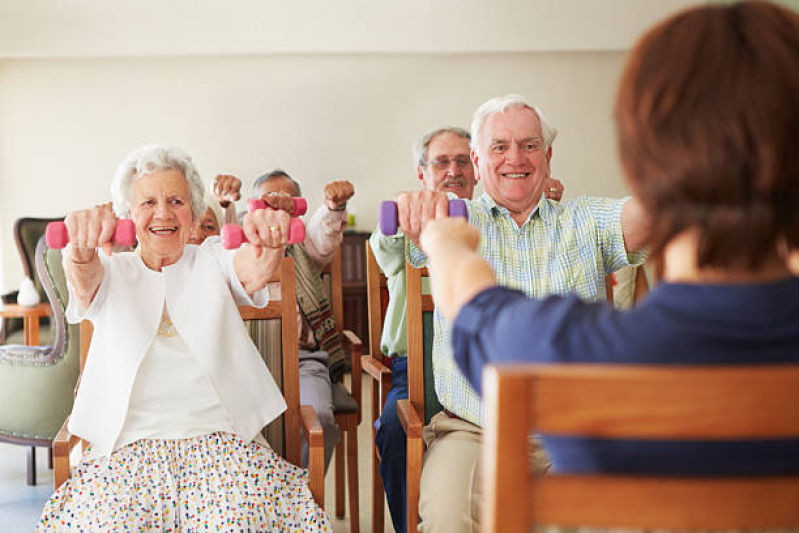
{"x": 533, "y": 244}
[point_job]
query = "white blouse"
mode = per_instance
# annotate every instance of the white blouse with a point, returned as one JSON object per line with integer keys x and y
{"x": 201, "y": 291}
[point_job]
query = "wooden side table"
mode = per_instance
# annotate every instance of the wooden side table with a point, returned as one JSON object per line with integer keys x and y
{"x": 30, "y": 319}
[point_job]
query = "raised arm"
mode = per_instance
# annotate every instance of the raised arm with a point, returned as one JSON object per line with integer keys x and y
{"x": 255, "y": 263}
{"x": 634, "y": 225}
{"x": 88, "y": 230}
{"x": 457, "y": 272}
{"x": 326, "y": 227}
{"x": 227, "y": 190}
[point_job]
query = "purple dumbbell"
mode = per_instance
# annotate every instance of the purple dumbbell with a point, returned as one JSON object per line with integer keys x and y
{"x": 389, "y": 219}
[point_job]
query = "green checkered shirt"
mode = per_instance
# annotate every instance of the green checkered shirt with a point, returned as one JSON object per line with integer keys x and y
{"x": 562, "y": 248}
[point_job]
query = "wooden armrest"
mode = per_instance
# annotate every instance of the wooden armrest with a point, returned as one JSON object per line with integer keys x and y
{"x": 312, "y": 430}
{"x": 374, "y": 368}
{"x": 352, "y": 339}
{"x": 63, "y": 443}
{"x": 410, "y": 419}
{"x": 311, "y": 427}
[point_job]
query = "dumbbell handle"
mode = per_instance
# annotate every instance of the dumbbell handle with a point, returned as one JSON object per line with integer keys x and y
{"x": 389, "y": 218}
{"x": 233, "y": 236}
{"x": 300, "y": 206}
{"x": 57, "y": 235}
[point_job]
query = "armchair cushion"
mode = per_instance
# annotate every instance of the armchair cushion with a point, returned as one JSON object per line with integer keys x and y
{"x": 343, "y": 402}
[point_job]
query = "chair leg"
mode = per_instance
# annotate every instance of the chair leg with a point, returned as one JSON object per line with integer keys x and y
{"x": 340, "y": 475}
{"x": 352, "y": 478}
{"x": 377, "y": 493}
{"x": 32, "y": 466}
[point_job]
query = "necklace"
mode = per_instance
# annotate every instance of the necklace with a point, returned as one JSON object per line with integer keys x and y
{"x": 166, "y": 327}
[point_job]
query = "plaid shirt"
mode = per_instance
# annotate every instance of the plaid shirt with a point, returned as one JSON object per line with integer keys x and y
{"x": 562, "y": 248}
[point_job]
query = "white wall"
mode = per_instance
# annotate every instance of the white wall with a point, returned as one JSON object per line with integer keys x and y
{"x": 324, "y": 92}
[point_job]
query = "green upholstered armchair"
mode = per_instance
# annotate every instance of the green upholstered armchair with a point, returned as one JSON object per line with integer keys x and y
{"x": 26, "y": 234}
{"x": 37, "y": 383}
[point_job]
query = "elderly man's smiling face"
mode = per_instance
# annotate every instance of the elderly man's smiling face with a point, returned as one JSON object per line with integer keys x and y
{"x": 162, "y": 214}
{"x": 513, "y": 161}
{"x": 448, "y": 167}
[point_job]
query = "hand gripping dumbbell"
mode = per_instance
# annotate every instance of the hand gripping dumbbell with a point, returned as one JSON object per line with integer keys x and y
{"x": 389, "y": 218}
{"x": 57, "y": 235}
{"x": 233, "y": 235}
{"x": 300, "y": 206}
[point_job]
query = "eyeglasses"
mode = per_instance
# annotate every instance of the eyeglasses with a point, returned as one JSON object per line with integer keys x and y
{"x": 443, "y": 163}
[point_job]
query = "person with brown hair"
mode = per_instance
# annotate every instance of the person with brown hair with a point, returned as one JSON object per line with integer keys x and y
{"x": 707, "y": 115}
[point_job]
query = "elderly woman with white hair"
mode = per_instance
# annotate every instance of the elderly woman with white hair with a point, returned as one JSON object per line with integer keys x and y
{"x": 174, "y": 393}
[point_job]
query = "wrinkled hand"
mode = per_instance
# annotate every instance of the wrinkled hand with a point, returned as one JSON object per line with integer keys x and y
{"x": 91, "y": 229}
{"x": 337, "y": 193}
{"x": 553, "y": 189}
{"x": 226, "y": 189}
{"x": 266, "y": 228}
{"x": 416, "y": 209}
{"x": 445, "y": 233}
{"x": 279, "y": 201}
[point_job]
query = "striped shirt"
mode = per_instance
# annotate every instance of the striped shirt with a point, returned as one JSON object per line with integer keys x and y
{"x": 562, "y": 248}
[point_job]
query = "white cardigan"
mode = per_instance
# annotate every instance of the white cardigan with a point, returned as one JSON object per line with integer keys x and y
{"x": 202, "y": 292}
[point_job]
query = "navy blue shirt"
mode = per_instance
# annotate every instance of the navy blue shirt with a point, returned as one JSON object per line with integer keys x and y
{"x": 677, "y": 324}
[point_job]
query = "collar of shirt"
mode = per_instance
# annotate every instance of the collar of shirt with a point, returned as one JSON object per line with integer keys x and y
{"x": 543, "y": 209}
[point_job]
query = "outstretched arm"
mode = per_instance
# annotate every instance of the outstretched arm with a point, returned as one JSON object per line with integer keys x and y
{"x": 255, "y": 263}
{"x": 457, "y": 272}
{"x": 325, "y": 229}
{"x": 634, "y": 225}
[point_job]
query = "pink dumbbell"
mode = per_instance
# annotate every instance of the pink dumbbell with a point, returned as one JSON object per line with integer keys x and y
{"x": 300, "y": 206}
{"x": 57, "y": 235}
{"x": 233, "y": 235}
{"x": 389, "y": 218}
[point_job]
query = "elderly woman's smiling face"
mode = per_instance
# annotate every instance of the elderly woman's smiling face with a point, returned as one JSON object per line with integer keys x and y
{"x": 161, "y": 210}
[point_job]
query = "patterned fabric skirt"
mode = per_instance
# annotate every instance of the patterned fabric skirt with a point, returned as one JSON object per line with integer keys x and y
{"x": 216, "y": 482}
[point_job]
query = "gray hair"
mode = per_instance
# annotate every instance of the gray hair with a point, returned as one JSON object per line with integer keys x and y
{"x": 275, "y": 174}
{"x": 149, "y": 159}
{"x": 500, "y": 104}
{"x": 423, "y": 142}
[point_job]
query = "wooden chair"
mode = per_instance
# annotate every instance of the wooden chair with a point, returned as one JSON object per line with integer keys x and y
{"x": 422, "y": 401}
{"x": 643, "y": 402}
{"x": 346, "y": 403}
{"x": 380, "y": 374}
{"x": 296, "y": 418}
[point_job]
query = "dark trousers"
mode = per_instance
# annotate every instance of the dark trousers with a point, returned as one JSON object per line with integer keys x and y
{"x": 392, "y": 444}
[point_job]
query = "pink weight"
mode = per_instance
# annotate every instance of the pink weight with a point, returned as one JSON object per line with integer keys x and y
{"x": 300, "y": 206}
{"x": 57, "y": 236}
{"x": 233, "y": 236}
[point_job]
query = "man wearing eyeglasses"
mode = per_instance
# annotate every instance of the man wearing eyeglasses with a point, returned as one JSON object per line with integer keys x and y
{"x": 442, "y": 164}
{"x": 533, "y": 244}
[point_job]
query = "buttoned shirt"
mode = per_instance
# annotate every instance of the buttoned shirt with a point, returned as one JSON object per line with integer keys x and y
{"x": 561, "y": 248}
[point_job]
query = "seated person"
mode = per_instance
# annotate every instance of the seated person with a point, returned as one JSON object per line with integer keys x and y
{"x": 207, "y": 225}
{"x": 174, "y": 393}
{"x": 722, "y": 208}
{"x": 322, "y": 359}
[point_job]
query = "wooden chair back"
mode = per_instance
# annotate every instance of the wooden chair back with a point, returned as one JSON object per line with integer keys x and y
{"x": 375, "y": 366}
{"x": 641, "y": 402}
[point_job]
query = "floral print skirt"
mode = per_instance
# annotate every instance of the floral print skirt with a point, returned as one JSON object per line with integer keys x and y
{"x": 216, "y": 482}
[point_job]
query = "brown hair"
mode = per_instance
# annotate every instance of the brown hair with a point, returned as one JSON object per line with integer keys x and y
{"x": 707, "y": 117}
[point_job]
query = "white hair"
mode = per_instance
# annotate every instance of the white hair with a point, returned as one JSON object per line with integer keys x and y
{"x": 421, "y": 145}
{"x": 149, "y": 159}
{"x": 499, "y": 105}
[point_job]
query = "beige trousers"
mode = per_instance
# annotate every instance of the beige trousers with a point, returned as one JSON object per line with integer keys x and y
{"x": 450, "y": 484}
{"x": 450, "y": 491}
